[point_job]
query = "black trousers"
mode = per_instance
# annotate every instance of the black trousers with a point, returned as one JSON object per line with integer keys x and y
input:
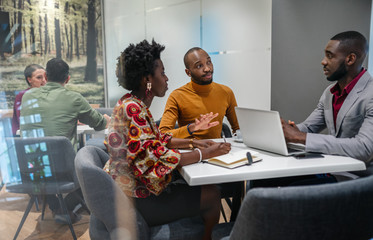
{"x": 71, "y": 200}
{"x": 235, "y": 191}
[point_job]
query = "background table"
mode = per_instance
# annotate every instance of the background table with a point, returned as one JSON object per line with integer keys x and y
{"x": 84, "y": 130}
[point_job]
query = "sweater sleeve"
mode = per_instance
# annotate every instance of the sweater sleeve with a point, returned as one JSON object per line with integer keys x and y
{"x": 169, "y": 118}
{"x": 231, "y": 112}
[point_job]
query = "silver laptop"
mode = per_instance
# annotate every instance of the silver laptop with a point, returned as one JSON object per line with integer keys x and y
{"x": 262, "y": 129}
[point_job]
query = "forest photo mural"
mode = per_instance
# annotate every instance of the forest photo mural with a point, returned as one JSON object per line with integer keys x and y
{"x": 34, "y": 31}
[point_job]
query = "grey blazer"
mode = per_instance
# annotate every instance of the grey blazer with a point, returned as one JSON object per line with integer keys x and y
{"x": 353, "y": 134}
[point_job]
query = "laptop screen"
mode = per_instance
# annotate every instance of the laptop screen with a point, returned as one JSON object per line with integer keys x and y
{"x": 262, "y": 129}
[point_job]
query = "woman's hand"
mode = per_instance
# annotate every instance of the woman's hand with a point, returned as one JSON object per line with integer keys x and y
{"x": 216, "y": 149}
{"x": 203, "y": 143}
{"x": 204, "y": 122}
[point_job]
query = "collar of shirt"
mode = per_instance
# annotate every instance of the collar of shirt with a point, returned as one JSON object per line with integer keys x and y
{"x": 335, "y": 89}
{"x": 338, "y": 99}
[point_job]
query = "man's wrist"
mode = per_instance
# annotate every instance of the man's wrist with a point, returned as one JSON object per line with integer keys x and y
{"x": 190, "y": 128}
{"x": 301, "y": 138}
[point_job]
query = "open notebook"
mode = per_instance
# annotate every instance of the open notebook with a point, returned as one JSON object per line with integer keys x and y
{"x": 234, "y": 159}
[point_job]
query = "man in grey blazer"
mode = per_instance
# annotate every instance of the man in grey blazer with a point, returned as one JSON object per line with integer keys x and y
{"x": 345, "y": 108}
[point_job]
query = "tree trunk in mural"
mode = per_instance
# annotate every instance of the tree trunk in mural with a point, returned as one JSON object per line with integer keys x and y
{"x": 67, "y": 40}
{"x": 57, "y": 31}
{"x": 68, "y": 51}
{"x": 77, "y": 41}
{"x": 83, "y": 38}
{"x": 32, "y": 32}
{"x": 5, "y": 44}
{"x": 41, "y": 35}
{"x": 91, "y": 67}
{"x": 46, "y": 35}
{"x": 25, "y": 39}
{"x": 76, "y": 34}
{"x": 14, "y": 24}
{"x": 71, "y": 42}
{"x": 32, "y": 36}
{"x": 18, "y": 35}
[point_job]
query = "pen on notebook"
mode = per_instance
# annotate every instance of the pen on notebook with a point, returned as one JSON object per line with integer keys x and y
{"x": 222, "y": 133}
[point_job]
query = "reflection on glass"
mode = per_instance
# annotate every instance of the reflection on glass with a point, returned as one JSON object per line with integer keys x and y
{"x": 38, "y": 165}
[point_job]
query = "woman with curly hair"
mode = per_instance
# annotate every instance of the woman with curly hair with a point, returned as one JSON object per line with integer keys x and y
{"x": 142, "y": 159}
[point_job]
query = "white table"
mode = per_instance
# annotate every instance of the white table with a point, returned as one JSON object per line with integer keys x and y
{"x": 271, "y": 166}
{"x": 85, "y": 129}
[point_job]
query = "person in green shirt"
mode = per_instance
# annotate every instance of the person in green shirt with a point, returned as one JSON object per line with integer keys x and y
{"x": 52, "y": 110}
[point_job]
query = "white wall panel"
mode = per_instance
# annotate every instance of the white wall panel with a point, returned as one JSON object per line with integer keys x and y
{"x": 175, "y": 24}
{"x": 241, "y": 28}
{"x": 124, "y": 24}
{"x": 237, "y": 34}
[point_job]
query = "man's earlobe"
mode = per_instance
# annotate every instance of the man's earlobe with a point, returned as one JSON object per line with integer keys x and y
{"x": 351, "y": 59}
{"x": 187, "y": 71}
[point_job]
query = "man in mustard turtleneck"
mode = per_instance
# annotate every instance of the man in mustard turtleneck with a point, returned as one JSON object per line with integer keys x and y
{"x": 200, "y": 96}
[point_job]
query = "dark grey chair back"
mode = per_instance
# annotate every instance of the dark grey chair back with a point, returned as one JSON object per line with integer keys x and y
{"x": 329, "y": 211}
{"x": 45, "y": 160}
{"x": 47, "y": 168}
{"x": 112, "y": 213}
{"x": 226, "y": 130}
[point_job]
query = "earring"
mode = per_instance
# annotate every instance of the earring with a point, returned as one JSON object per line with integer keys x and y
{"x": 148, "y": 89}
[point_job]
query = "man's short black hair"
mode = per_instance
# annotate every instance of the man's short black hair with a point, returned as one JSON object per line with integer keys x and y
{"x": 137, "y": 61}
{"x": 30, "y": 69}
{"x": 352, "y": 42}
{"x": 57, "y": 70}
{"x": 187, "y": 53}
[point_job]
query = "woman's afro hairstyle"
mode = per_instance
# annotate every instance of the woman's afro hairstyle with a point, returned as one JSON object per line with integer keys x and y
{"x": 137, "y": 61}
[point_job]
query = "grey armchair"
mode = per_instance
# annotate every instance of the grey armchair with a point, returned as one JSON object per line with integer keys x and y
{"x": 329, "y": 211}
{"x": 112, "y": 213}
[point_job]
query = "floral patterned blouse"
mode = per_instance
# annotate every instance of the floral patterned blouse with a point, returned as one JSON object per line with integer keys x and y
{"x": 140, "y": 163}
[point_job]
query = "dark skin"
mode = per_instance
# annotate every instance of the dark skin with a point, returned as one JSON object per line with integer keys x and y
{"x": 200, "y": 69}
{"x": 334, "y": 57}
{"x": 210, "y": 194}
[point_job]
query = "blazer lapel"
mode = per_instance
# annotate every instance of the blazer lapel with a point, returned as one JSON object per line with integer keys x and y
{"x": 328, "y": 112}
{"x": 351, "y": 99}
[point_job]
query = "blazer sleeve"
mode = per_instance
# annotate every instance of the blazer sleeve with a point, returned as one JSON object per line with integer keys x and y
{"x": 359, "y": 146}
{"x": 315, "y": 122}
{"x": 231, "y": 112}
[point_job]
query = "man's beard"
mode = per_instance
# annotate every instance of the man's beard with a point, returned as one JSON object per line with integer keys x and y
{"x": 339, "y": 73}
{"x": 199, "y": 81}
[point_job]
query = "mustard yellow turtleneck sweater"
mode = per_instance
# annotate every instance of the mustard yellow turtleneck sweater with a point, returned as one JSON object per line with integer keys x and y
{"x": 188, "y": 102}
